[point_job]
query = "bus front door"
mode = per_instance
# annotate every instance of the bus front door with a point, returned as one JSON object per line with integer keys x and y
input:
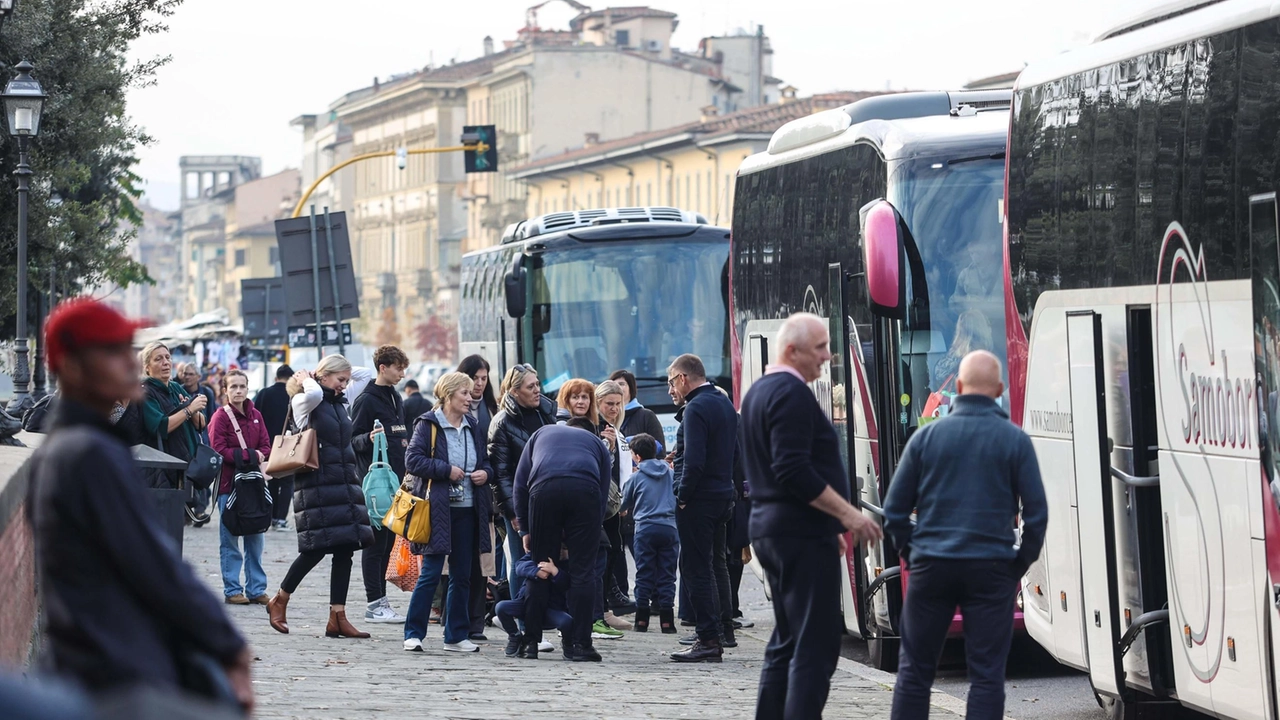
{"x": 1100, "y": 601}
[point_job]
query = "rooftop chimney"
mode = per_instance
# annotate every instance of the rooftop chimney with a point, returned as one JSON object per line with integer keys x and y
{"x": 488, "y": 44}
{"x": 709, "y": 113}
{"x": 591, "y": 139}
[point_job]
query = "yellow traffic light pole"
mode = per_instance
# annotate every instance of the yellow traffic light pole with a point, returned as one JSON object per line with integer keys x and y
{"x": 480, "y": 148}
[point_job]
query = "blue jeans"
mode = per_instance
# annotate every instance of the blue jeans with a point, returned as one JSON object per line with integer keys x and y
{"x": 657, "y": 551}
{"x": 457, "y": 618}
{"x": 515, "y": 545}
{"x": 255, "y": 578}
{"x": 509, "y": 611}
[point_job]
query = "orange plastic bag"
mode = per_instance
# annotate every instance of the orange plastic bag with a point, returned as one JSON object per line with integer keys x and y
{"x": 404, "y": 567}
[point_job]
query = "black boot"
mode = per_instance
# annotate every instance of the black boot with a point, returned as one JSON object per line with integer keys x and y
{"x": 641, "y": 623}
{"x": 529, "y": 650}
{"x": 619, "y": 603}
{"x": 584, "y": 653}
{"x": 727, "y": 638}
{"x": 515, "y": 643}
{"x": 701, "y": 651}
{"x": 667, "y": 620}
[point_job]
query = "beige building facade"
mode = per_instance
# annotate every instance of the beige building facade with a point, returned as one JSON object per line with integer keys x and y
{"x": 250, "y": 233}
{"x": 690, "y": 166}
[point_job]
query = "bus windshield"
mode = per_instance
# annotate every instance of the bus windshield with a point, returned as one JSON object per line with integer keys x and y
{"x": 955, "y": 306}
{"x": 630, "y": 306}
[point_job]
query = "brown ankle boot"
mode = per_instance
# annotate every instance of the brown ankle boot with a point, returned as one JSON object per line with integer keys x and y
{"x": 276, "y": 613}
{"x": 339, "y": 627}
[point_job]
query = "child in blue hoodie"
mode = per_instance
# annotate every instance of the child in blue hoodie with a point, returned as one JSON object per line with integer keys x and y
{"x": 650, "y": 498}
{"x": 508, "y": 611}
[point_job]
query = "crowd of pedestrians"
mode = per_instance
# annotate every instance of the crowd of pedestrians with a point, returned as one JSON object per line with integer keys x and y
{"x": 534, "y": 505}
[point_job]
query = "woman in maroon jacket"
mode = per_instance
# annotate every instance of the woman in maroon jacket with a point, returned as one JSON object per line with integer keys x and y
{"x": 248, "y": 450}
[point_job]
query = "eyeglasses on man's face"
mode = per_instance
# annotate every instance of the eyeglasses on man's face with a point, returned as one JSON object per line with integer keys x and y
{"x": 671, "y": 381}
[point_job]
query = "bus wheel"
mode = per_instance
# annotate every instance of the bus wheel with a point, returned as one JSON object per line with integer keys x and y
{"x": 882, "y": 652}
{"x": 1115, "y": 708}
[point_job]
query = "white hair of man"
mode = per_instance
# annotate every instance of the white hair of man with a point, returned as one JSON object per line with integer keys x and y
{"x": 798, "y": 330}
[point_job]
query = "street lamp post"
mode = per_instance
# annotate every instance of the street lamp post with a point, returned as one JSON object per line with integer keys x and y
{"x": 23, "y": 104}
{"x": 6, "y": 9}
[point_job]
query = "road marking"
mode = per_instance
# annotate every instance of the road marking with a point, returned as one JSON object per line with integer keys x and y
{"x": 939, "y": 699}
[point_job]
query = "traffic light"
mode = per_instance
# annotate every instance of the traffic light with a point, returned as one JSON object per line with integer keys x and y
{"x": 486, "y": 161}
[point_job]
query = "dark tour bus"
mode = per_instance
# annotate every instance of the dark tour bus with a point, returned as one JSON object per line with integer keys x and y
{"x": 580, "y": 294}
{"x": 1144, "y": 299}
{"x": 914, "y": 181}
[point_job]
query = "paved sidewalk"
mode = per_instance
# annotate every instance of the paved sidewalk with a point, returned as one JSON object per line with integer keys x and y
{"x": 306, "y": 675}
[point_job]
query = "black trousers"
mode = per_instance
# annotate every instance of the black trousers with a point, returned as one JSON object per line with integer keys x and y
{"x": 373, "y": 564}
{"x": 702, "y": 564}
{"x": 339, "y": 579}
{"x": 734, "y": 561}
{"x": 804, "y": 580}
{"x": 985, "y": 591}
{"x": 281, "y": 495}
{"x": 617, "y": 556}
{"x": 479, "y": 587}
{"x": 565, "y": 510}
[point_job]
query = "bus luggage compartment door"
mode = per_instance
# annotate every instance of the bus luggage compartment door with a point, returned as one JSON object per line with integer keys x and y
{"x": 1093, "y": 494}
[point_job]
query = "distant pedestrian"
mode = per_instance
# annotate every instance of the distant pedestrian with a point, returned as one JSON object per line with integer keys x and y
{"x": 561, "y": 488}
{"x": 964, "y": 477}
{"x": 121, "y": 608}
{"x": 524, "y": 409}
{"x": 705, "y": 446}
{"x": 447, "y": 457}
{"x": 799, "y": 515}
{"x": 273, "y": 402}
{"x": 328, "y": 503}
{"x": 236, "y": 422}
{"x": 556, "y": 614}
{"x": 415, "y": 403}
{"x": 649, "y": 497}
{"x": 380, "y": 403}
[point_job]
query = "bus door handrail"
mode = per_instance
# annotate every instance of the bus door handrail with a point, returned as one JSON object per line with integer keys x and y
{"x": 1133, "y": 480}
{"x": 1139, "y": 624}
{"x": 877, "y": 511}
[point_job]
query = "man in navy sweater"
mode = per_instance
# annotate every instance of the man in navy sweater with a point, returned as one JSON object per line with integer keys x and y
{"x": 705, "y": 445}
{"x": 964, "y": 477}
{"x": 799, "y": 515}
{"x": 560, "y": 488}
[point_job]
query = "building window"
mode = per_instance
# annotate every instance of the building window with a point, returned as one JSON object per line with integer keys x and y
{"x": 623, "y": 38}
{"x": 240, "y": 258}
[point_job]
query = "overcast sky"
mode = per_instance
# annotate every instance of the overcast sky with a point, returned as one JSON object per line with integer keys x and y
{"x": 242, "y": 69}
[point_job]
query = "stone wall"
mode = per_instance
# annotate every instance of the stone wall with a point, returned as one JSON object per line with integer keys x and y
{"x": 19, "y": 619}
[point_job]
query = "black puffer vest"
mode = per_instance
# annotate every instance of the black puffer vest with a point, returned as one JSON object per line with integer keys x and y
{"x": 328, "y": 504}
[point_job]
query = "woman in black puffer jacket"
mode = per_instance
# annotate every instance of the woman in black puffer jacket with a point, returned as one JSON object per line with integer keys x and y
{"x": 524, "y": 409}
{"x": 328, "y": 503}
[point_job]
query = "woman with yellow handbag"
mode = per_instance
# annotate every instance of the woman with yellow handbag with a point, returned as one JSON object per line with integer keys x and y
{"x": 450, "y": 466}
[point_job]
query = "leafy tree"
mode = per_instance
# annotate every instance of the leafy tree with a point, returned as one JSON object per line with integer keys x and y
{"x": 84, "y": 193}
{"x": 436, "y": 340}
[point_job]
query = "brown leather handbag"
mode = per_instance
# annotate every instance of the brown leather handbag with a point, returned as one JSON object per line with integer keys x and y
{"x": 294, "y": 453}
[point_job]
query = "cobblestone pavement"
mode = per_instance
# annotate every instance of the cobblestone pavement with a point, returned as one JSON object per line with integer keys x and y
{"x": 306, "y": 675}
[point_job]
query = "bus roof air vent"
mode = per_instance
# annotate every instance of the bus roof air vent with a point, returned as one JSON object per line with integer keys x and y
{"x": 556, "y": 222}
{"x": 807, "y": 130}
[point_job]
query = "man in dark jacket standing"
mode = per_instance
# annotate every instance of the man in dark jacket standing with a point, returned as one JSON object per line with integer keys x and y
{"x": 381, "y": 403}
{"x": 799, "y": 514}
{"x": 705, "y": 446}
{"x": 560, "y": 488}
{"x": 273, "y": 403}
{"x": 415, "y": 403}
{"x": 118, "y": 597}
{"x": 964, "y": 477}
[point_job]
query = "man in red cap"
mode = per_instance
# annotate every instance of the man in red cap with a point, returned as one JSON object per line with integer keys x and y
{"x": 118, "y": 597}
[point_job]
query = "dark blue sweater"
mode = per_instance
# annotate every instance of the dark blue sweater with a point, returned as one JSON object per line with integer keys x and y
{"x": 964, "y": 476}
{"x": 560, "y": 451}
{"x": 528, "y": 569}
{"x": 705, "y": 444}
{"x": 792, "y": 454}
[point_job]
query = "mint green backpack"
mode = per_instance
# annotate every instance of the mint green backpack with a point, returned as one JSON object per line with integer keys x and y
{"x": 380, "y": 483}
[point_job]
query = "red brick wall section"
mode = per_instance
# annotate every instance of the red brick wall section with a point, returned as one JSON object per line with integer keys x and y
{"x": 17, "y": 590}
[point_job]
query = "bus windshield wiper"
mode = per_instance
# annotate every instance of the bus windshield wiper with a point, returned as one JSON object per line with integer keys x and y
{"x": 992, "y": 156}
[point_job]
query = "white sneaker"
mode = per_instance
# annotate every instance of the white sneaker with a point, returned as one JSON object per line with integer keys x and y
{"x": 545, "y": 646}
{"x": 379, "y": 611}
{"x": 413, "y": 645}
{"x": 464, "y": 646}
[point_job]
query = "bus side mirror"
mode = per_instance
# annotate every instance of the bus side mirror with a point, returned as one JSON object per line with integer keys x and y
{"x": 883, "y": 246}
{"x": 515, "y": 286}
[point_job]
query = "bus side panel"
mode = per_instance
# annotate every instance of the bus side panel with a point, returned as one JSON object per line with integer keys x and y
{"x": 1059, "y": 629}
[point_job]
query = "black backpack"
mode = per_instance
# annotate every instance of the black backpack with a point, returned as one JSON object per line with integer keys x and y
{"x": 248, "y": 510}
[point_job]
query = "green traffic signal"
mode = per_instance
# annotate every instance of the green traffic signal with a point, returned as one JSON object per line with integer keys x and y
{"x": 487, "y": 137}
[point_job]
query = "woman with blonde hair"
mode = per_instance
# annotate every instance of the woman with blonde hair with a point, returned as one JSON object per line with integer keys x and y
{"x": 172, "y": 420}
{"x": 328, "y": 503}
{"x": 577, "y": 398}
{"x": 449, "y": 463}
{"x": 610, "y": 398}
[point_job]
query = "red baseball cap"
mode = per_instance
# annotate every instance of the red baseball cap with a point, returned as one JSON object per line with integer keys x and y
{"x": 81, "y": 323}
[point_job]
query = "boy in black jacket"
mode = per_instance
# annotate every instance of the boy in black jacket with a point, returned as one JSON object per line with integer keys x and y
{"x": 380, "y": 402}
{"x": 556, "y": 616}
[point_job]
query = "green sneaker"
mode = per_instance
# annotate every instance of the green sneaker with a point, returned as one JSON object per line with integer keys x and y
{"x": 600, "y": 631}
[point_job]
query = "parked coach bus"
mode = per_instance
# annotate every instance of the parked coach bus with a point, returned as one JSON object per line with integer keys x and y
{"x": 915, "y": 179}
{"x": 581, "y": 294}
{"x": 1144, "y": 299}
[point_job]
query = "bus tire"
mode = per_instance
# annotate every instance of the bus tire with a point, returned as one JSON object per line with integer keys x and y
{"x": 882, "y": 652}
